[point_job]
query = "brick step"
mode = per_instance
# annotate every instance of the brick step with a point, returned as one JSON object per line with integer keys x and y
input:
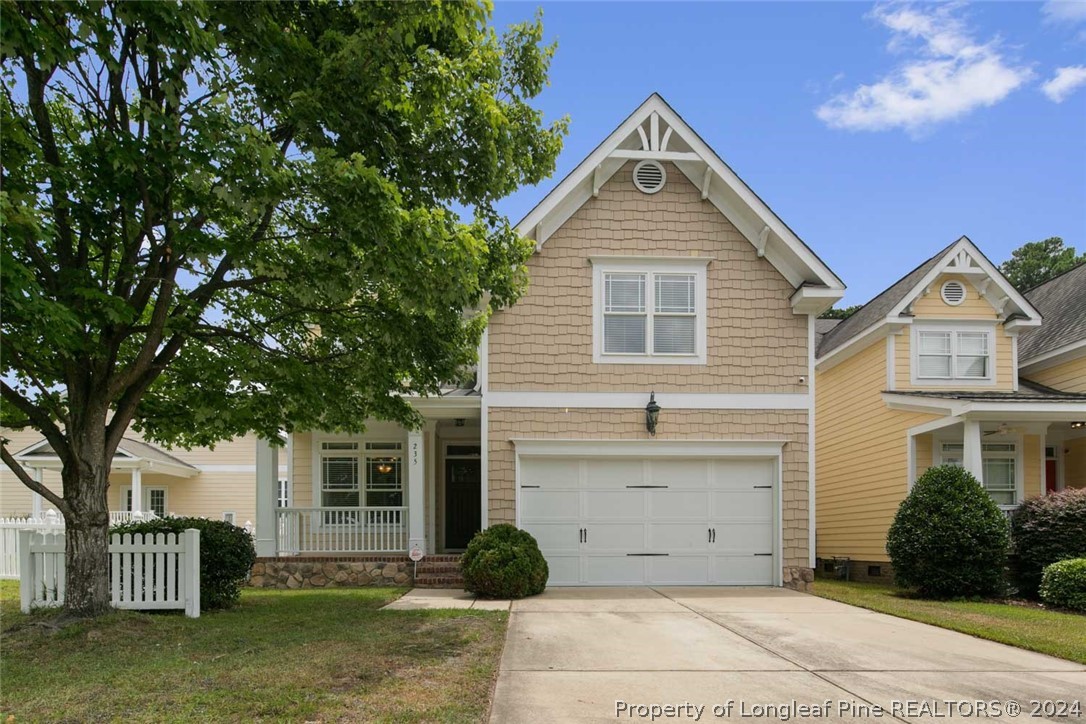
{"x": 439, "y": 582}
{"x": 438, "y": 567}
{"x": 442, "y": 558}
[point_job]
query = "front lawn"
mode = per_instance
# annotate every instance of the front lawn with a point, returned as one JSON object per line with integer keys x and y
{"x": 308, "y": 655}
{"x": 1028, "y": 627}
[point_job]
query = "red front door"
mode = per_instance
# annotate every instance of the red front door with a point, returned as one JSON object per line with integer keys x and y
{"x": 1050, "y": 476}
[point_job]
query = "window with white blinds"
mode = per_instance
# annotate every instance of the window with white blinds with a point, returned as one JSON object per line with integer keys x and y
{"x": 953, "y": 355}
{"x": 649, "y": 313}
{"x": 999, "y": 461}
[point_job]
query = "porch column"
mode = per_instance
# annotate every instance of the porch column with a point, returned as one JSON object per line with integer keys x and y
{"x": 137, "y": 492}
{"x": 35, "y": 499}
{"x": 416, "y": 491}
{"x": 267, "y": 481}
{"x": 971, "y": 451}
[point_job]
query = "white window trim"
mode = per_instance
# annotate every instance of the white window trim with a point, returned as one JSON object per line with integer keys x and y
{"x": 233, "y": 519}
{"x": 380, "y": 432}
{"x": 649, "y": 266}
{"x": 1019, "y": 462}
{"x": 145, "y": 504}
{"x": 952, "y": 327}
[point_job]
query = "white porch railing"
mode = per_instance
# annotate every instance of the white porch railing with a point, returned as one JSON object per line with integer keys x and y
{"x": 49, "y": 522}
{"x": 127, "y": 516}
{"x": 302, "y": 531}
{"x": 160, "y": 571}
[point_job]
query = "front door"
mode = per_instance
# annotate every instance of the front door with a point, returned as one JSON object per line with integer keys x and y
{"x": 462, "y": 501}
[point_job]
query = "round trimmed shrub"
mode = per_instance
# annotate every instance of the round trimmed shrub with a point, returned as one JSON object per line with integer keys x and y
{"x": 949, "y": 538}
{"x": 1044, "y": 530}
{"x": 504, "y": 561}
{"x": 226, "y": 554}
{"x": 1063, "y": 584}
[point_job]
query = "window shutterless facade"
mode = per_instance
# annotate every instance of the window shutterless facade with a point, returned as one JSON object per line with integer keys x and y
{"x": 355, "y": 474}
{"x": 951, "y": 355}
{"x": 649, "y": 311}
{"x": 999, "y": 463}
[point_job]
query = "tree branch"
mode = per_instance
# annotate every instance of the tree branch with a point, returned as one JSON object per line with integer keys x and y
{"x": 25, "y": 479}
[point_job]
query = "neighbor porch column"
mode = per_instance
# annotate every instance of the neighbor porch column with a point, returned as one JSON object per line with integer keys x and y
{"x": 267, "y": 483}
{"x": 35, "y": 499}
{"x": 416, "y": 491}
{"x": 971, "y": 450}
{"x": 137, "y": 491}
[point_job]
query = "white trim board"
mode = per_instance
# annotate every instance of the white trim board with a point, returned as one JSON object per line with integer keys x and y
{"x": 638, "y": 400}
{"x": 647, "y": 448}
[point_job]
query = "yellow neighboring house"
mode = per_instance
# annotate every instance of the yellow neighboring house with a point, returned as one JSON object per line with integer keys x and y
{"x": 219, "y": 483}
{"x": 950, "y": 365}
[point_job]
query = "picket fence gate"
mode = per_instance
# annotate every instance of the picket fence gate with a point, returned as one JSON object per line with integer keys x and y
{"x": 51, "y": 522}
{"x": 159, "y": 571}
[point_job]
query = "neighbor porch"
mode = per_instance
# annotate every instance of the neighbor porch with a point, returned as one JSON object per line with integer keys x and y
{"x": 387, "y": 490}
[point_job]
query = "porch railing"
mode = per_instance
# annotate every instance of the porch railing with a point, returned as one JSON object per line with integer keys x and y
{"x": 302, "y": 531}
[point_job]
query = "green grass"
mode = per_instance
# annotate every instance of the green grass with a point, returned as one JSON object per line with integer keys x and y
{"x": 308, "y": 655}
{"x": 1029, "y": 627}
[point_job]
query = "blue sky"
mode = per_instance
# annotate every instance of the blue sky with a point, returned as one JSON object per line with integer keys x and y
{"x": 879, "y": 133}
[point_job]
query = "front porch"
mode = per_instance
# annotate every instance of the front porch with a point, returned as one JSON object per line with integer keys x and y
{"x": 384, "y": 492}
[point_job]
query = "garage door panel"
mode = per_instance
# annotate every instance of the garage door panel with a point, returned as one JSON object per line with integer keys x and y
{"x": 617, "y": 570}
{"x": 742, "y": 474}
{"x": 565, "y": 570}
{"x": 555, "y": 536}
{"x": 551, "y": 473}
{"x": 610, "y": 473}
{"x": 675, "y": 570}
{"x": 612, "y": 504}
{"x": 617, "y": 537}
{"x": 742, "y": 504}
{"x": 749, "y": 537}
{"x": 743, "y": 570}
{"x": 679, "y": 473}
{"x": 685, "y": 504}
{"x": 550, "y": 504}
{"x": 666, "y": 537}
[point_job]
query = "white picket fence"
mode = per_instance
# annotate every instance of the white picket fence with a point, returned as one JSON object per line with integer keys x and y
{"x": 49, "y": 522}
{"x": 160, "y": 571}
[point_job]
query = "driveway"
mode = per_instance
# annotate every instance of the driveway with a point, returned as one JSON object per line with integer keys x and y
{"x": 598, "y": 654}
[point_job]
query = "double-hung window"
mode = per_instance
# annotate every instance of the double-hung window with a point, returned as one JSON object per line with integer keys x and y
{"x": 355, "y": 475}
{"x": 384, "y": 474}
{"x": 650, "y": 312}
{"x": 339, "y": 479}
{"x": 999, "y": 476}
{"x": 953, "y": 355}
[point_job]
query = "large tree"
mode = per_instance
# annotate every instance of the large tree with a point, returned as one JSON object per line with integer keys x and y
{"x": 1038, "y": 261}
{"x": 225, "y": 217}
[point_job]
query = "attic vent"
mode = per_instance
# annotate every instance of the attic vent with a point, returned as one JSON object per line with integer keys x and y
{"x": 953, "y": 293}
{"x": 649, "y": 176}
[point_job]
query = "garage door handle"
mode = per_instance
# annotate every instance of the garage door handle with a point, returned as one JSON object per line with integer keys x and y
{"x": 529, "y": 486}
{"x": 767, "y": 487}
{"x": 646, "y": 486}
{"x": 646, "y": 555}
{"x": 763, "y": 554}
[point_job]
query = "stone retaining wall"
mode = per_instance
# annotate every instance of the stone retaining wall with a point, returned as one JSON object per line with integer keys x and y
{"x": 798, "y": 579}
{"x": 297, "y": 572}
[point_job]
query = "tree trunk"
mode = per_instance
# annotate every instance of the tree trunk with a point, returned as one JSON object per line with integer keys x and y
{"x": 86, "y": 481}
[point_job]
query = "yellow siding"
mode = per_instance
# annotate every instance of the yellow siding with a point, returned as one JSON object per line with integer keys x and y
{"x": 932, "y": 306}
{"x": 1074, "y": 463}
{"x": 1004, "y": 363}
{"x": 924, "y": 454}
{"x": 1068, "y": 376}
{"x": 1031, "y": 465}
{"x": 302, "y": 495}
{"x": 209, "y": 493}
{"x": 862, "y": 457}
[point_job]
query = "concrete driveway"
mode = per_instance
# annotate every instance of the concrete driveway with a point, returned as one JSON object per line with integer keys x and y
{"x": 572, "y": 653}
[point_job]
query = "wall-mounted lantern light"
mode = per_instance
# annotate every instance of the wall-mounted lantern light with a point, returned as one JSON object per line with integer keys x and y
{"x": 652, "y": 414}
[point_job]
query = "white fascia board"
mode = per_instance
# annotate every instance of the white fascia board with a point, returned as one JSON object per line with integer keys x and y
{"x": 638, "y": 400}
{"x": 1050, "y": 411}
{"x": 648, "y": 448}
{"x": 861, "y": 341}
{"x": 910, "y": 403}
{"x": 815, "y": 300}
{"x": 933, "y": 425}
{"x": 1053, "y": 358}
{"x": 978, "y": 256}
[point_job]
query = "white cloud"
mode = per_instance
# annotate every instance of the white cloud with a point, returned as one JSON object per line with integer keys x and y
{"x": 1064, "y": 11}
{"x": 1066, "y": 81}
{"x": 948, "y": 76}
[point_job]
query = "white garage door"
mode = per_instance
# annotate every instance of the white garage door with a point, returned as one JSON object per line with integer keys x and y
{"x": 664, "y": 521}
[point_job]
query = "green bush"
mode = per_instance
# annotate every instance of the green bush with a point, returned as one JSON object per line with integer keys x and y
{"x": 504, "y": 562}
{"x": 949, "y": 538}
{"x": 226, "y": 554}
{"x": 1044, "y": 530}
{"x": 1063, "y": 584}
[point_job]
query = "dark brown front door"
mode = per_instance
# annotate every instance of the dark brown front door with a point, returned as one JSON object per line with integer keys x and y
{"x": 462, "y": 501}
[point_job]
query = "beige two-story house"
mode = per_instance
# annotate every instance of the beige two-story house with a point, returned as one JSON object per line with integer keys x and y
{"x": 645, "y": 410}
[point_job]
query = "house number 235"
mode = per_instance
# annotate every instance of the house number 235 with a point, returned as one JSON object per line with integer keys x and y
{"x": 414, "y": 453}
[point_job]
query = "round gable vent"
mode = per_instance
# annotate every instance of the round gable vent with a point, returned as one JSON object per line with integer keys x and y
{"x": 953, "y": 293}
{"x": 649, "y": 176}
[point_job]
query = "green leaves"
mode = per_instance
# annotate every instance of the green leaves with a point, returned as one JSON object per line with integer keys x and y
{"x": 222, "y": 217}
{"x": 1038, "y": 261}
